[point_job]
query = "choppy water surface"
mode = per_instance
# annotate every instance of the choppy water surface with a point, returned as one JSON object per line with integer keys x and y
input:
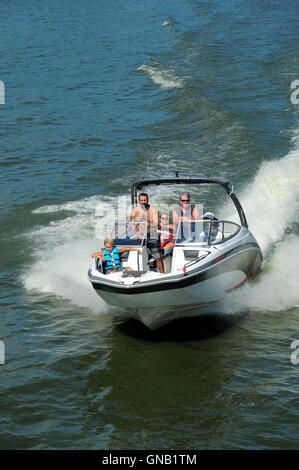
{"x": 96, "y": 97}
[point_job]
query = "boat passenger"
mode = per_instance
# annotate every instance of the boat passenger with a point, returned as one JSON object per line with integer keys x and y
{"x": 110, "y": 256}
{"x": 209, "y": 218}
{"x": 166, "y": 233}
{"x": 144, "y": 212}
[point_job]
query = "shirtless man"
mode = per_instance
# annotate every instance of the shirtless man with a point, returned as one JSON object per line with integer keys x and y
{"x": 144, "y": 212}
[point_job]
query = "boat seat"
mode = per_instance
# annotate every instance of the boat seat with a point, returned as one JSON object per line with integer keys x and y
{"x": 124, "y": 256}
{"x": 191, "y": 254}
{"x": 131, "y": 259}
{"x": 99, "y": 265}
{"x": 167, "y": 262}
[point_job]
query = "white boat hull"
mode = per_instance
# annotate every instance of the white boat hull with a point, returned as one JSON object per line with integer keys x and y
{"x": 155, "y": 309}
{"x": 156, "y": 299}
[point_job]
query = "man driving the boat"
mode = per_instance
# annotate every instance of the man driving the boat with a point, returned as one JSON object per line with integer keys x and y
{"x": 185, "y": 211}
{"x": 183, "y": 215}
{"x": 144, "y": 212}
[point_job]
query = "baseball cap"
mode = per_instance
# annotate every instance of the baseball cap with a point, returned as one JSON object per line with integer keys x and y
{"x": 208, "y": 215}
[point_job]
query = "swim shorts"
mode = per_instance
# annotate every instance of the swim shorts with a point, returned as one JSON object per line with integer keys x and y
{"x": 154, "y": 247}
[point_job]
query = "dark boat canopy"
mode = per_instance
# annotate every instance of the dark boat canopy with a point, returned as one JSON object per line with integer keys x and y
{"x": 139, "y": 185}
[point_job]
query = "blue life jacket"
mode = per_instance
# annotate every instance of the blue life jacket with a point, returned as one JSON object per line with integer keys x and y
{"x": 112, "y": 260}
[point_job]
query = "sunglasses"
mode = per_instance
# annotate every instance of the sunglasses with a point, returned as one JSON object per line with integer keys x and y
{"x": 185, "y": 200}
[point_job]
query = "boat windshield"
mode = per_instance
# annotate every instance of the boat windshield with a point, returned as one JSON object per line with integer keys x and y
{"x": 132, "y": 233}
{"x": 210, "y": 232}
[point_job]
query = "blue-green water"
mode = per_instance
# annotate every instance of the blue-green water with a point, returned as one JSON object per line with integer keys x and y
{"x": 99, "y": 94}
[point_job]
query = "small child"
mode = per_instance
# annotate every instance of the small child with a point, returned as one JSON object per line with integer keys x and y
{"x": 110, "y": 256}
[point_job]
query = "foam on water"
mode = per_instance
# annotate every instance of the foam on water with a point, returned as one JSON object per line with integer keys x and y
{"x": 162, "y": 78}
{"x": 86, "y": 206}
{"x": 271, "y": 204}
{"x": 61, "y": 268}
{"x": 62, "y": 271}
{"x": 276, "y": 289}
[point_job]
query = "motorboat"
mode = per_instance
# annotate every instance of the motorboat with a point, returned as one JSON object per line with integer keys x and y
{"x": 209, "y": 259}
